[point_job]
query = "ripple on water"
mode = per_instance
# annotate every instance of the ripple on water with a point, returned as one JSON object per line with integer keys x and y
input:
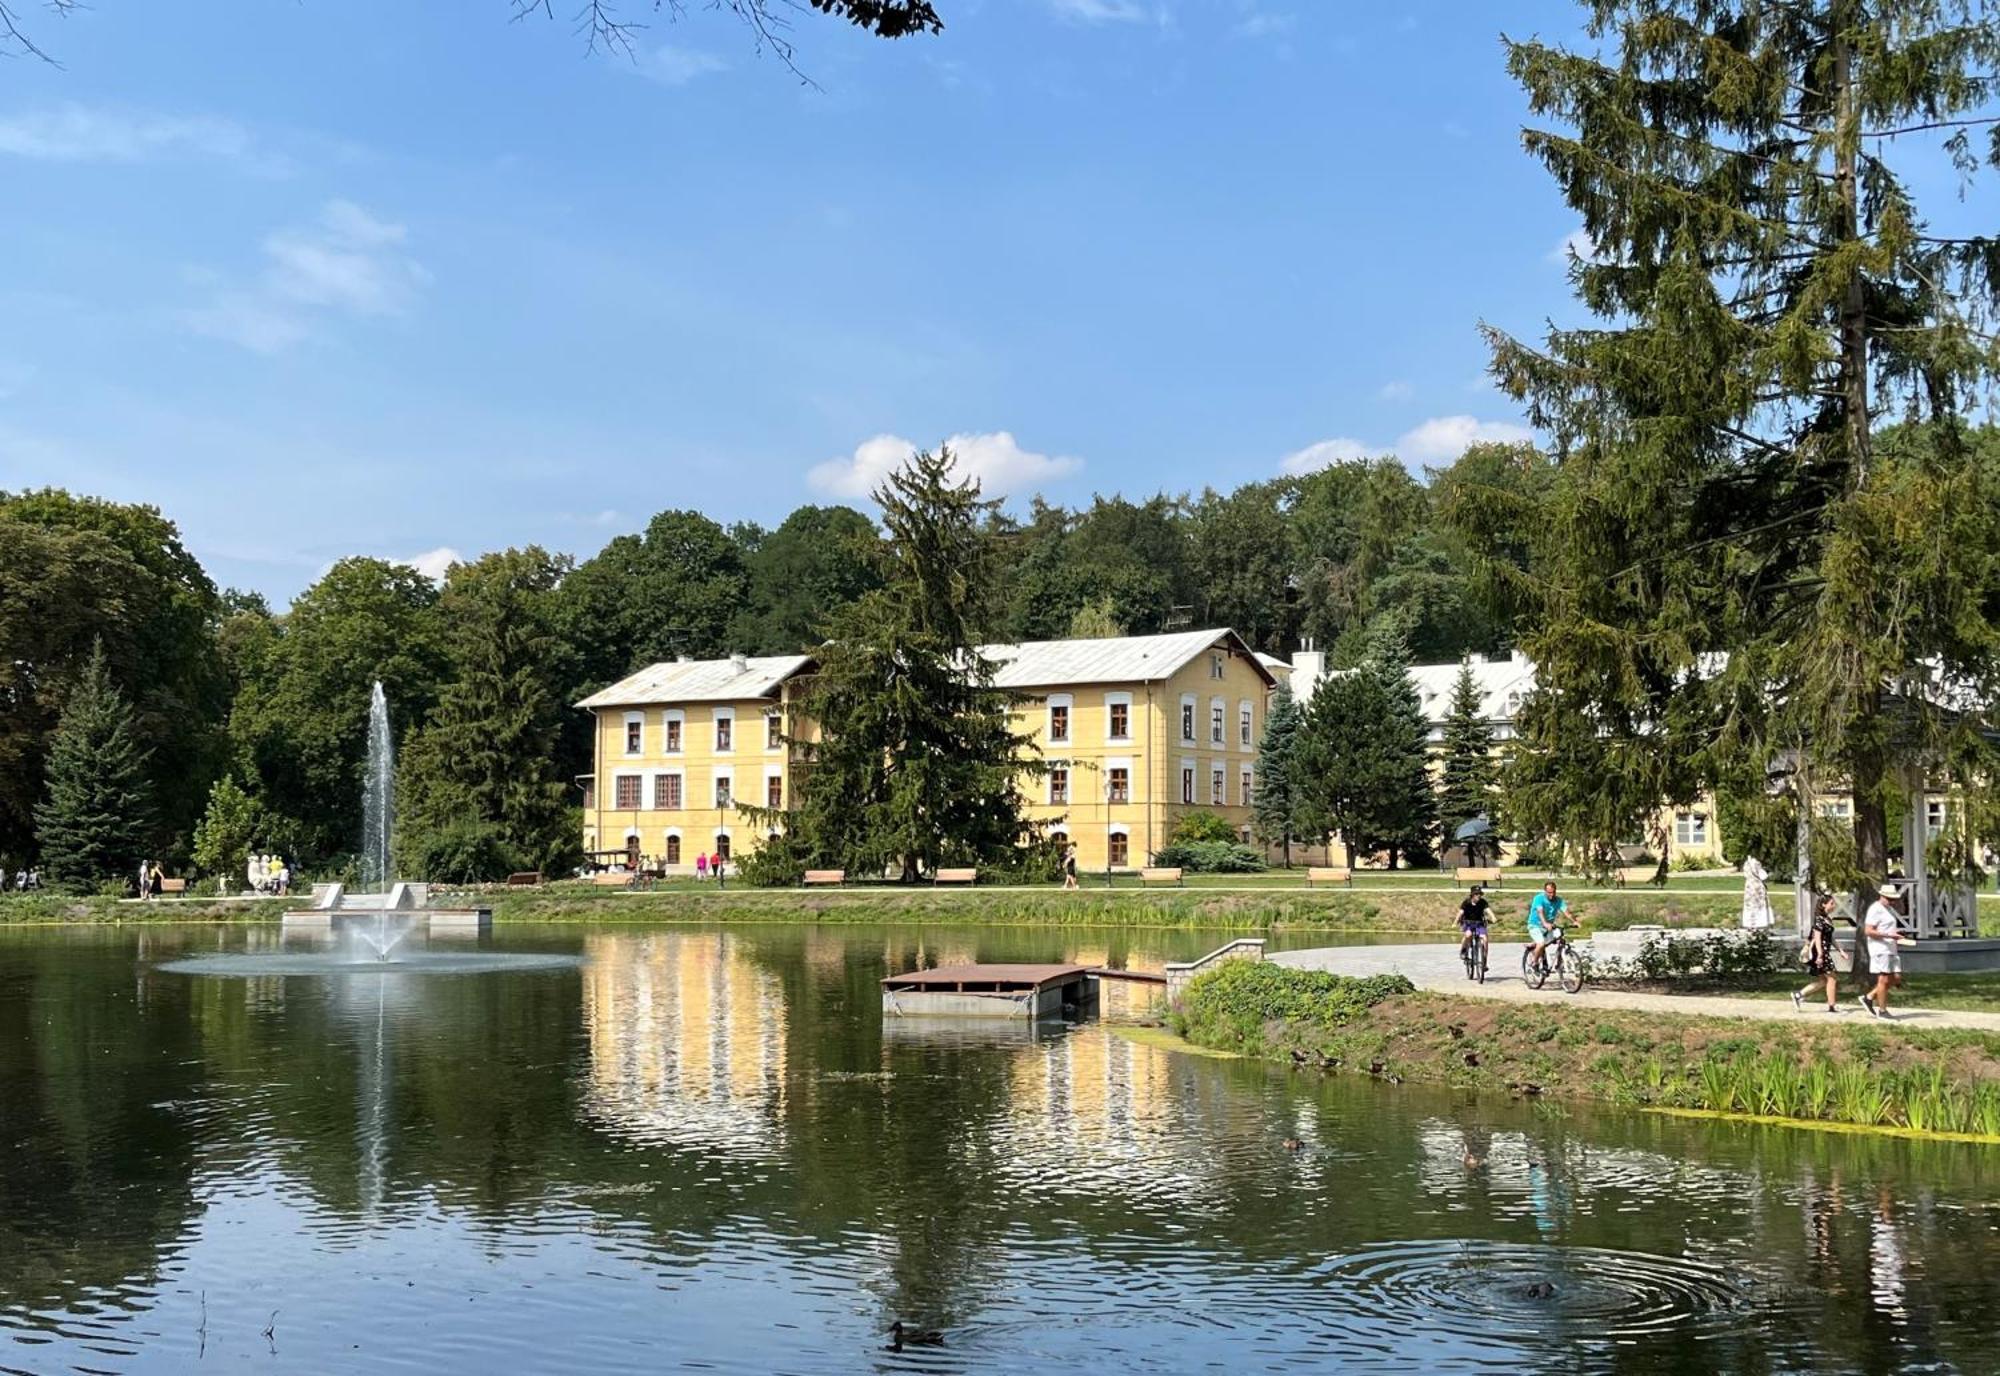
{"x": 236, "y": 966}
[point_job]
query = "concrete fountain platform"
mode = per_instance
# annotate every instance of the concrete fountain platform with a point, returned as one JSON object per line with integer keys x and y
{"x": 333, "y": 909}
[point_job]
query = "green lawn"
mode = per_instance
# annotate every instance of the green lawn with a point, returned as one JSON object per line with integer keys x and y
{"x": 1971, "y": 993}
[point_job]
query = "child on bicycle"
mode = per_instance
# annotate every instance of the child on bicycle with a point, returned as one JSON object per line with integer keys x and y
{"x": 1472, "y": 919}
{"x": 1545, "y": 914}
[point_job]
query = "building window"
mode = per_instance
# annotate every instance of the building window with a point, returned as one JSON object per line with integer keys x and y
{"x": 722, "y": 798}
{"x": 725, "y": 729}
{"x": 774, "y": 792}
{"x": 1060, "y": 839}
{"x": 1243, "y": 723}
{"x": 1933, "y": 818}
{"x": 1690, "y": 829}
{"x": 1245, "y": 781}
{"x": 1840, "y": 808}
{"x": 774, "y": 732}
{"x": 627, "y": 791}
{"x": 1120, "y": 848}
{"x": 1216, "y": 786}
{"x": 1059, "y": 720}
{"x": 1215, "y": 722}
{"x": 1120, "y": 786}
{"x": 1215, "y": 662}
{"x": 1187, "y": 720}
{"x": 590, "y": 793}
{"x": 1121, "y": 721}
{"x": 722, "y": 846}
{"x": 674, "y": 734}
{"x": 673, "y": 849}
{"x": 1187, "y": 783}
{"x": 1059, "y": 785}
{"x": 667, "y": 792}
{"x": 635, "y": 735}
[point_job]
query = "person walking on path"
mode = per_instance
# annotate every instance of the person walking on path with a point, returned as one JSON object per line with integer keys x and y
{"x": 156, "y": 879}
{"x": 1818, "y": 956}
{"x": 701, "y": 865}
{"x": 1885, "y": 958}
{"x": 1069, "y": 867}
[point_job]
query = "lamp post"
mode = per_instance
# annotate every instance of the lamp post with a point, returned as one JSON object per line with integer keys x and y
{"x": 1107, "y": 828}
{"x": 721, "y": 865}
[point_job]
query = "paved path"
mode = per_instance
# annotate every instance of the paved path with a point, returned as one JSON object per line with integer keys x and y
{"x": 1436, "y": 966}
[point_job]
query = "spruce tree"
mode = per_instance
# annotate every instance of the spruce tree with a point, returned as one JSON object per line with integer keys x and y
{"x": 1730, "y": 565}
{"x": 914, "y": 761}
{"x": 1335, "y": 759}
{"x": 1465, "y": 782}
{"x": 1275, "y": 806}
{"x": 92, "y": 822}
{"x": 1402, "y": 808}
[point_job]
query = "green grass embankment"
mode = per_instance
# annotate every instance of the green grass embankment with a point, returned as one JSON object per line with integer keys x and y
{"x": 1942, "y": 1082}
{"x": 1359, "y": 910}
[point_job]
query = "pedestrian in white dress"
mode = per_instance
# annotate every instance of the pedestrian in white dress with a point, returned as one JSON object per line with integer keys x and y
{"x": 1756, "y": 895}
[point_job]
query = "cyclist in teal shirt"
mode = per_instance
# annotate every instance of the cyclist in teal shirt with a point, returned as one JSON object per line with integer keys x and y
{"x": 1545, "y": 913}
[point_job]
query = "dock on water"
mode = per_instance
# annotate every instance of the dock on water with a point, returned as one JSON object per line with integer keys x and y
{"x": 999, "y": 991}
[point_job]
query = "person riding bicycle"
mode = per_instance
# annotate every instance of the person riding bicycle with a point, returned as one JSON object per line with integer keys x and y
{"x": 1472, "y": 919}
{"x": 1545, "y": 914}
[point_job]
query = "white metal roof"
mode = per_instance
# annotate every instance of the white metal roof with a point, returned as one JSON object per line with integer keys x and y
{"x": 701, "y": 680}
{"x": 1118, "y": 659}
{"x": 1502, "y": 682}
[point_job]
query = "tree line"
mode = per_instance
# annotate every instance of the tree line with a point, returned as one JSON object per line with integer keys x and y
{"x": 242, "y": 727}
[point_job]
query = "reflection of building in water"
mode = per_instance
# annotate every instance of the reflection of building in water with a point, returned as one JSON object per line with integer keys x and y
{"x": 1093, "y": 1112}
{"x": 687, "y": 1042}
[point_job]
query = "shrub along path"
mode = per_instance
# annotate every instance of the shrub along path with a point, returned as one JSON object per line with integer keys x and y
{"x": 1435, "y": 966}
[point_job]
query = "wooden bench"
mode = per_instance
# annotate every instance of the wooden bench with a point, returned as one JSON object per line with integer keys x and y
{"x": 967, "y": 875}
{"x": 525, "y": 879}
{"x": 612, "y": 879}
{"x": 1329, "y": 874}
{"x": 178, "y": 886}
{"x": 823, "y": 877}
{"x": 1637, "y": 874}
{"x": 1469, "y": 874}
{"x": 1163, "y": 875}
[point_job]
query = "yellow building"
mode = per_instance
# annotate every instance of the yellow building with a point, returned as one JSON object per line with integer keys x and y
{"x": 1138, "y": 731}
{"x": 677, "y": 746}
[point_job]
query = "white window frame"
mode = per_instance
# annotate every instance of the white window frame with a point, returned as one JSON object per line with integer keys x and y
{"x": 620, "y": 774}
{"x": 1068, "y": 784}
{"x": 673, "y": 742}
{"x": 1123, "y": 762}
{"x": 1935, "y": 808}
{"x": 717, "y": 717}
{"x": 1190, "y": 780}
{"x": 1246, "y": 725}
{"x": 1116, "y": 700}
{"x": 1246, "y": 783}
{"x": 772, "y": 772}
{"x": 1066, "y": 701}
{"x": 1190, "y": 718}
{"x": 1218, "y": 785}
{"x": 770, "y": 746}
{"x": 722, "y": 776}
{"x": 659, "y": 774}
{"x": 1218, "y": 722}
{"x": 1216, "y": 662}
{"x": 1691, "y": 829}
{"x": 1118, "y": 829}
{"x": 633, "y": 719}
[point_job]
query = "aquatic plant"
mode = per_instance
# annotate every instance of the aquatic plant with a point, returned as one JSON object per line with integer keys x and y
{"x": 1818, "y": 1089}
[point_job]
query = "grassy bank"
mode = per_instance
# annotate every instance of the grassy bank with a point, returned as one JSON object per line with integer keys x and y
{"x": 1861, "y": 1074}
{"x": 1362, "y": 910}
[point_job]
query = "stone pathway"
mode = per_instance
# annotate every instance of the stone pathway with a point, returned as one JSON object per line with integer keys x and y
{"x": 1436, "y": 966}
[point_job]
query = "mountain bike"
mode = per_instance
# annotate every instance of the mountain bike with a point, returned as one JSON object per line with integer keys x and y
{"x": 1474, "y": 956}
{"x": 1558, "y": 958}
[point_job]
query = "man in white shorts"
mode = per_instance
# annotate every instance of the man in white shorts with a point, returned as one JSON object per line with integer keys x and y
{"x": 1885, "y": 958}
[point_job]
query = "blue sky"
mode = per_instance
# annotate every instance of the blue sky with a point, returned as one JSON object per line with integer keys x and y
{"x": 327, "y": 278}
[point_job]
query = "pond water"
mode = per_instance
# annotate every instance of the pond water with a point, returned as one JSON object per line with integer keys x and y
{"x": 702, "y": 1149}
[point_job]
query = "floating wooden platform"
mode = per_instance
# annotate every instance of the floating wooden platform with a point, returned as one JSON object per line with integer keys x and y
{"x": 991, "y": 991}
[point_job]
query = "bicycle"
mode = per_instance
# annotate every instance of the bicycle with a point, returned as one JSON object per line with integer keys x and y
{"x": 1473, "y": 953}
{"x": 1568, "y": 966}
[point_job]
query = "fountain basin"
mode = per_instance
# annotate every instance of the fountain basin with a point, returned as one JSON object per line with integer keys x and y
{"x": 418, "y": 921}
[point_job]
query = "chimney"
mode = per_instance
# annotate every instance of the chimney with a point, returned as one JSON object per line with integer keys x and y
{"x": 740, "y": 662}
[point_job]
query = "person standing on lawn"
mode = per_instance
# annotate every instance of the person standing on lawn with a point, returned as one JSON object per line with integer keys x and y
{"x": 1818, "y": 955}
{"x": 1881, "y": 927}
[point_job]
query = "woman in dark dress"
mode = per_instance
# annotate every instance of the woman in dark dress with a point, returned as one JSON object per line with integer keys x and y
{"x": 1818, "y": 956}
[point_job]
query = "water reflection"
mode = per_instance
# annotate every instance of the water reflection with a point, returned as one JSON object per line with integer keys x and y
{"x": 707, "y": 1147}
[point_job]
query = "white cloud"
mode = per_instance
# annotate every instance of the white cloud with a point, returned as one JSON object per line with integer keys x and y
{"x": 1438, "y": 440}
{"x": 1397, "y": 390}
{"x": 348, "y": 262}
{"x": 1100, "y": 11}
{"x": 996, "y": 459}
{"x": 1263, "y": 24}
{"x": 78, "y": 133}
{"x": 1579, "y": 243}
{"x": 432, "y": 563}
{"x": 672, "y": 66}
{"x": 1316, "y": 456}
{"x": 1442, "y": 439}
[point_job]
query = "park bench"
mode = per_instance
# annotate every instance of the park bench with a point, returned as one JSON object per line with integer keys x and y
{"x": 1163, "y": 875}
{"x": 612, "y": 879}
{"x": 1477, "y": 874}
{"x": 178, "y": 886}
{"x": 823, "y": 877}
{"x": 524, "y": 879}
{"x": 1329, "y": 874}
{"x": 967, "y": 875}
{"x": 1637, "y": 874}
